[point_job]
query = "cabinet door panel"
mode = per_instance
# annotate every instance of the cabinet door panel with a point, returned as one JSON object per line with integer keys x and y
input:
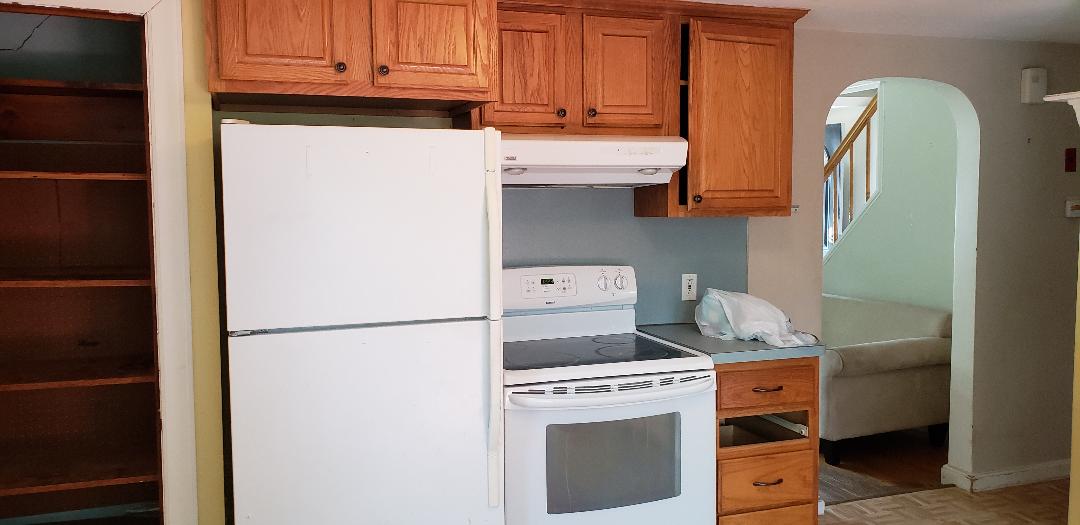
{"x": 533, "y": 84}
{"x": 625, "y": 71}
{"x": 740, "y": 117}
{"x": 433, "y": 43}
{"x": 291, "y": 40}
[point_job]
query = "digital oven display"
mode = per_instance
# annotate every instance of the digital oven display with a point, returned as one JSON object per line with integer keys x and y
{"x": 547, "y": 281}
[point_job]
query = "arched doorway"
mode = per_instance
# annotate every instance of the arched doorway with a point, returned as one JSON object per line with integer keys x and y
{"x": 899, "y": 212}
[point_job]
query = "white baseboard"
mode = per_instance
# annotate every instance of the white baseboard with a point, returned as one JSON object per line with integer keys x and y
{"x": 970, "y": 482}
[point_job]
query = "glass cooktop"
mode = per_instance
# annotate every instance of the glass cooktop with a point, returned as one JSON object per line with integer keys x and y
{"x": 590, "y": 350}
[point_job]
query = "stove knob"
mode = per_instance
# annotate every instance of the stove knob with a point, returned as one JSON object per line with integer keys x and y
{"x": 620, "y": 281}
{"x": 602, "y": 283}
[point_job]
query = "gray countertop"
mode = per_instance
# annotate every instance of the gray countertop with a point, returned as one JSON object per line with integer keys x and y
{"x": 722, "y": 351}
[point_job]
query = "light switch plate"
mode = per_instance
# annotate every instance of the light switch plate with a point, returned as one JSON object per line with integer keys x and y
{"x": 689, "y": 287}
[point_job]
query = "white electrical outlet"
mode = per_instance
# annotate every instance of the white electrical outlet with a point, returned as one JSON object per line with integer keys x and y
{"x": 689, "y": 287}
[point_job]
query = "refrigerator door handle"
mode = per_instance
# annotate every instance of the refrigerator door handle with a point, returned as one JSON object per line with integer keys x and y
{"x": 493, "y": 190}
{"x": 496, "y": 423}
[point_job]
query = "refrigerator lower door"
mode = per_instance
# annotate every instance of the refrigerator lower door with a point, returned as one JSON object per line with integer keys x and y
{"x": 383, "y": 425}
{"x": 328, "y": 226}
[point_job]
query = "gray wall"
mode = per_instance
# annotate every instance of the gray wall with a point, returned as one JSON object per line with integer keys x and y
{"x": 68, "y": 48}
{"x": 597, "y": 226}
{"x": 1012, "y": 357}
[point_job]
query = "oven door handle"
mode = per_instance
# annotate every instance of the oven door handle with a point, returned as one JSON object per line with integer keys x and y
{"x": 608, "y": 400}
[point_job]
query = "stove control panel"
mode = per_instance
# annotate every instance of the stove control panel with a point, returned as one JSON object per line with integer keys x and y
{"x": 546, "y": 287}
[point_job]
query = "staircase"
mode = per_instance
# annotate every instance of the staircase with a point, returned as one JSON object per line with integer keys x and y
{"x": 839, "y": 204}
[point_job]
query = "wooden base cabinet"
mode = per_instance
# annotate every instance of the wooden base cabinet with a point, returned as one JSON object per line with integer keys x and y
{"x": 796, "y": 515}
{"x": 767, "y": 442}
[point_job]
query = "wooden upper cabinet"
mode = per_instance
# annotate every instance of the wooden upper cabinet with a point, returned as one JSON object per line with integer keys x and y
{"x": 444, "y": 43}
{"x": 625, "y": 70}
{"x": 533, "y": 85}
{"x": 310, "y": 41}
{"x": 740, "y": 119}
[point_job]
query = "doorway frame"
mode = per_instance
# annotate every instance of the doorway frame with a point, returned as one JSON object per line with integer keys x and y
{"x": 958, "y": 470}
{"x": 172, "y": 278}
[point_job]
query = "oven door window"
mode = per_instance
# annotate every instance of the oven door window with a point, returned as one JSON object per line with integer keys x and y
{"x": 609, "y": 464}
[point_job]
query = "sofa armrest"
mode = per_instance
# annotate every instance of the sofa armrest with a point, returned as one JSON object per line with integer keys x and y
{"x": 885, "y": 356}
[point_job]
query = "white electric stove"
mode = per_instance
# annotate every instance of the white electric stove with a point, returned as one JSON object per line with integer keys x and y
{"x": 603, "y": 424}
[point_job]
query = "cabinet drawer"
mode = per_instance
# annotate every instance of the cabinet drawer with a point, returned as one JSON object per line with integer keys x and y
{"x": 764, "y": 387}
{"x": 766, "y": 481}
{"x": 797, "y": 515}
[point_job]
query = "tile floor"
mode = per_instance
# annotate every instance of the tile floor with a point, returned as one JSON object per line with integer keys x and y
{"x": 1042, "y": 503}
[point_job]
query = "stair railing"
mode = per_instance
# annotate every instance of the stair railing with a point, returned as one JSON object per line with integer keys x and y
{"x": 833, "y": 172}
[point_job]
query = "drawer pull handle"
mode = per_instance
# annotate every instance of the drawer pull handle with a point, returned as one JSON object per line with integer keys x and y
{"x": 765, "y": 390}
{"x": 768, "y": 483}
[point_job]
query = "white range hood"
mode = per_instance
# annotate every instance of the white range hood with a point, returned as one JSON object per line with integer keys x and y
{"x": 1072, "y": 98}
{"x": 590, "y": 161}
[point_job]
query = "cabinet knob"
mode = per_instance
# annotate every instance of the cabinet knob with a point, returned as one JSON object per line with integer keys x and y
{"x": 340, "y": 67}
{"x": 697, "y": 198}
{"x": 561, "y": 112}
{"x": 384, "y": 70}
{"x": 592, "y": 112}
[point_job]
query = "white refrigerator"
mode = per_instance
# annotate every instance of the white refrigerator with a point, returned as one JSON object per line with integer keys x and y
{"x": 363, "y": 295}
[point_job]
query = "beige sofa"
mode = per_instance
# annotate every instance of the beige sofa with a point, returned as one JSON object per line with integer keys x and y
{"x": 886, "y": 368}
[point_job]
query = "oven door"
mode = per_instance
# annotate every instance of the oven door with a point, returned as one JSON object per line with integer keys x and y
{"x": 631, "y": 450}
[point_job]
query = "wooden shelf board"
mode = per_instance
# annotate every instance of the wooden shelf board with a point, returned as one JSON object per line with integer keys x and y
{"x": 34, "y": 86}
{"x": 74, "y": 142}
{"x": 43, "y": 375}
{"x": 40, "y": 467}
{"x": 71, "y": 175}
{"x": 72, "y": 283}
{"x": 77, "y": 485}
{"x": 78, "y": 277}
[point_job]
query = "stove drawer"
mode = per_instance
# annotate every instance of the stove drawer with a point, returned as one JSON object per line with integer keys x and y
{"x": 763, "y": 482}
{"x": 781, "y": 385}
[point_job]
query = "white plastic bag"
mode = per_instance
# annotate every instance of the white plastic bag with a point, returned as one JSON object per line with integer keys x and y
{"x": 711, "y": 318}
{"x": 734, "y": 315}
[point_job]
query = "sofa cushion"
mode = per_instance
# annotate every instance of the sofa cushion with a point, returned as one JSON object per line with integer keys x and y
{"x": 886, "y": 356}
{"x": 848, "y": 321}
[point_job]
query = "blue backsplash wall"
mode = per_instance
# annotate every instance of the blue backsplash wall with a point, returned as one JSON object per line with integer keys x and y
{"x": 597, "y": 226}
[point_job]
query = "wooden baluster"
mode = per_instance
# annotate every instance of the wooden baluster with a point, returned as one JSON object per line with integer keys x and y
{"x": 836, "y": 205}
{"x": 867, "y": 161}
{"x": 851, "y": 186}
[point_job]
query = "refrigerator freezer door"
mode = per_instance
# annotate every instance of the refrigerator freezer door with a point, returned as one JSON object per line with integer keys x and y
{"x": 328, "y": 226}
{"x": 386, "y": 425}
